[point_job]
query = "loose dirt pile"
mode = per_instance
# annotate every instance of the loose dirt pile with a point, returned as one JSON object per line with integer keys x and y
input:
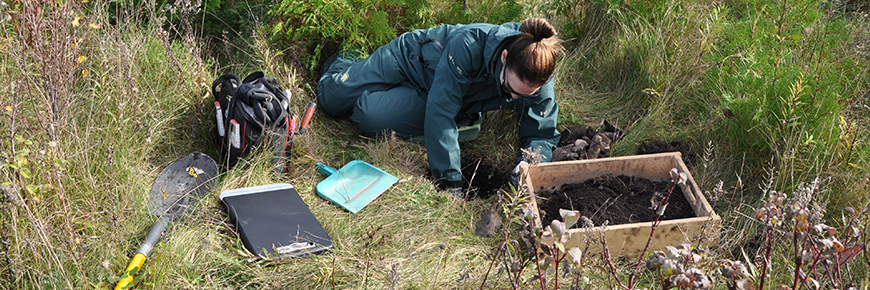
{"x": 484, "y": 178}
{"x": 581, "y": 142}
{"x": 619, "y": 200}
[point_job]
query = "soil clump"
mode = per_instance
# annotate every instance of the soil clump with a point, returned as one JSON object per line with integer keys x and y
{"x": 580, "y": 142}
{"x": 616, "y": 199}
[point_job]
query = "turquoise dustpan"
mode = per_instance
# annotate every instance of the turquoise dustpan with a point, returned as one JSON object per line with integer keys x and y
{"x": 355, "y": 185}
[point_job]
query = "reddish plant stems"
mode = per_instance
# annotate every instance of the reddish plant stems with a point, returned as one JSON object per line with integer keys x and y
{"x": 655, "y": 224}
{"x": 866, "y": 255}
{"x": 666, "y": 284}
{"x": 767, "y": 249}
{"x": 609, "y": 262}
{"x": 557, "y": 275}
{"x": 538, "y": 267}
{"x": 830, "y": 276}
{"x": 798, "y": 258}
{"x": 517, "y": 278}
{"x": 837, "y": 272}
{"x": 816, "y": 258}
{"x": 517, "y": 281}
{"x": 495, "y": 256}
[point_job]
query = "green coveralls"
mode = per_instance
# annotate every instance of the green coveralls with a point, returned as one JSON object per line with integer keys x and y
{"x": 425, "y": 80}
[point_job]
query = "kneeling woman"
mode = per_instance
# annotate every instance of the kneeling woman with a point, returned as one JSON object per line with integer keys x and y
{"x": 425, "y": 80}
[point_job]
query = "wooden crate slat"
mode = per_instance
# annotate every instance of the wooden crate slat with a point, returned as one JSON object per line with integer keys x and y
{"x": 629, "y": 239}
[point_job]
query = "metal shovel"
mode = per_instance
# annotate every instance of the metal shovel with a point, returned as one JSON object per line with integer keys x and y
{"x": 175, "y": 188}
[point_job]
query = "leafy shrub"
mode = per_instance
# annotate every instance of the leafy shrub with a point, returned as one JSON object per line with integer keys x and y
{"x": 325, "y": 27}
{"x": 319, "y": 24}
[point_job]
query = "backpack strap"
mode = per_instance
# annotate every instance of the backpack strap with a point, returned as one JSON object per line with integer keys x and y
{"x": 253, "y": 76}
{"x": 274, "y": 87}
{"x": 271, "y": 84}
{"x": 223, "y": 89}
{"x": 218, "y": 87}
{"x": 281, "y": 124}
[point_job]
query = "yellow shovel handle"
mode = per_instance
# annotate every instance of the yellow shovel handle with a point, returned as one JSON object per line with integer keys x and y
{"x": 131, "y": 271}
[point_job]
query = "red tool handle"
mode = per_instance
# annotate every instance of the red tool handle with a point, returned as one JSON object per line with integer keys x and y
{"x": 291, "y": 130}
{"x": 306, "y": 117}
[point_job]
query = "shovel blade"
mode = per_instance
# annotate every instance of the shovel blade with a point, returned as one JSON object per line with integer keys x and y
{"x": 182, "y": 182}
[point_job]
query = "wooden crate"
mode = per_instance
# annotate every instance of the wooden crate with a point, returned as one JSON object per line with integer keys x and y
{"x": 629, "y": 239}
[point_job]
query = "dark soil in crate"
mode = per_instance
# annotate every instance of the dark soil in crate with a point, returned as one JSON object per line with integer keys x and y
{"x": 619, "y": 200}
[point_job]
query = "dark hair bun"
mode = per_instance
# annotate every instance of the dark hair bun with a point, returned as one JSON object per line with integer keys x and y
{"x": 533, "y": 52}
{"x": 539, "y": 28}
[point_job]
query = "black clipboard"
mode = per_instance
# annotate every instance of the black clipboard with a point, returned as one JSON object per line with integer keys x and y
{"x": 273, "y": 221}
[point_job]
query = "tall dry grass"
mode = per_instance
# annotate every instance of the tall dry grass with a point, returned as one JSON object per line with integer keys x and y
{"x": 641, "y": 70}
{"x": 92, "y": 106}
{"x": 101, "y": 96}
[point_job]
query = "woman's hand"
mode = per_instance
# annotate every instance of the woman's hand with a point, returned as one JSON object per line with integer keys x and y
{"x": 515, "y": 174}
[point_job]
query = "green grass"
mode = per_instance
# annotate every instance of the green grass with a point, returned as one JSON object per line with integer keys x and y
{"x": 770, "y": 95}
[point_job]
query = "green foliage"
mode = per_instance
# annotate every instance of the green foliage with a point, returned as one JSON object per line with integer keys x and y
{"x": 209, "y": 17}
{"x": 234, "y": 16}
{"x": 574, "y": 15}
{"x": 31, "y": 166}
{"x": 571, "y": 15}
{"x": 319, "y": 22}
{"x": 474, "y": 11}
{"x": 326, "y": 27}
{"x": 783, "y": 78}
{"x": 646, "y": 8}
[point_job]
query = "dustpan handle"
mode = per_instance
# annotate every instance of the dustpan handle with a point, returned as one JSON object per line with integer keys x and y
{"x": 325, "y": 169}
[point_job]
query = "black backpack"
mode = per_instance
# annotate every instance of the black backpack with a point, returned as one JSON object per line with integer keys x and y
{"x": 248, "y": 112}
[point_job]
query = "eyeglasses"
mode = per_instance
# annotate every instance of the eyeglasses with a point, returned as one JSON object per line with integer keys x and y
{"x": 506, "y": 85}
